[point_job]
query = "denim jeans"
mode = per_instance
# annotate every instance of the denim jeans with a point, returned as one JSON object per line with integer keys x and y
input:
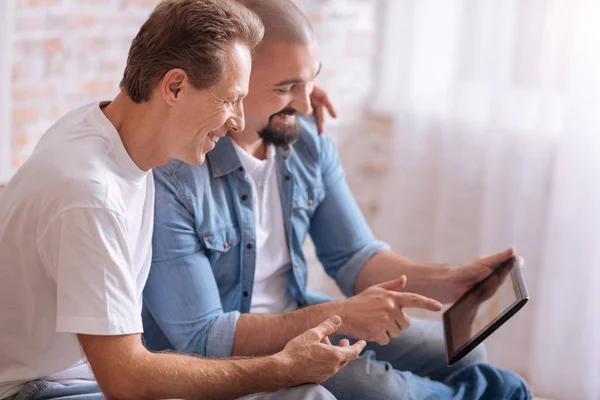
{"x": 413, "y": 367}
{"x": 44, "y": 390}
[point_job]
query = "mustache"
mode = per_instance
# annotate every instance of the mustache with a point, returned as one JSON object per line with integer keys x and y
{"x": 285, "y": 111}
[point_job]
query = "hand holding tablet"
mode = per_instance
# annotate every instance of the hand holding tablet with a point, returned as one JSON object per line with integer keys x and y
{"x": 483, "y": 309}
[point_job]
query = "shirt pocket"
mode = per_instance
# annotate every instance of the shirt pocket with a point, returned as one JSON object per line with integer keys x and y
{"x": 306, "y": 201}
{"x": 219, "y": 242}
{"x": 308, "y": 198}
{"x": 221, "y": 247}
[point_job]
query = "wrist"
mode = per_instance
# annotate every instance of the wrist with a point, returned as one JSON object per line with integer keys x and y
{"x": 341, "y": 309}
{"x": 446, "y": 273}
{"x": 281, "y": 366}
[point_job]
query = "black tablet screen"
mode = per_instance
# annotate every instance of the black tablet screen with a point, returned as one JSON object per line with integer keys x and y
{"x": 482, "y": 305}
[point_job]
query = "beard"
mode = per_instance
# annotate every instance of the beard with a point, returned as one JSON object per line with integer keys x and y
{"x": 281, "y": 136}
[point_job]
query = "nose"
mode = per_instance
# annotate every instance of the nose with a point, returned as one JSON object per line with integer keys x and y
{"x": 301, "y": 101}
{"x": 237, "y": 122}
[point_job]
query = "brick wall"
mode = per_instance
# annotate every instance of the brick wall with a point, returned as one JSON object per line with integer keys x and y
{"x": 70, "y": 52}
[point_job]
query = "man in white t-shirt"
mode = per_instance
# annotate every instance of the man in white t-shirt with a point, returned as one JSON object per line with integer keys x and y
{"x": 76, "y": 226}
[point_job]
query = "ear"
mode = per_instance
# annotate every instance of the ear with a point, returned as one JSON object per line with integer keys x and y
{"x": 172, "y": 85}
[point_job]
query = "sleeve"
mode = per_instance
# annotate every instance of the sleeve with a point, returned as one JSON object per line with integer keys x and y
{"x": 343, "y": 240}
{"x": 181, "y": 293}
{"x": 86, "y": 252}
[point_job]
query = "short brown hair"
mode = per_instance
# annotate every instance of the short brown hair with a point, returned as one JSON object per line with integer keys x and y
{"x": 189, "y": 34}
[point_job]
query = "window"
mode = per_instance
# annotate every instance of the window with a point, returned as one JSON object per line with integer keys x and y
{"x": 6, "y": 28}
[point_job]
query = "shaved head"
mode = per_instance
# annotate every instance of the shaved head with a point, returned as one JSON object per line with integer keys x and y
{"x": 283, "y": 21}
{"x": 284, "y": 67}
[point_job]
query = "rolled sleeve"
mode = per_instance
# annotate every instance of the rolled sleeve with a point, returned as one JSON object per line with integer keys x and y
{"x": 346, "y": 275}
{"x": 341, "y": 235}
{"x": 219, "y": 341}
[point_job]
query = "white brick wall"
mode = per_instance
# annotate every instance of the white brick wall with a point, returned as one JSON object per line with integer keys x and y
{"x": 71, "y": 52}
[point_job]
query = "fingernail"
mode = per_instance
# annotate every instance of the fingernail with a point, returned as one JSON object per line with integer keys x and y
{"x": 335, "y": 320}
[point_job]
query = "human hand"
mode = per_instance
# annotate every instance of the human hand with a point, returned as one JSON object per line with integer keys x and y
{"x": 320, "y": 103}
{"x": 310, "y": 357}
{"x": 462, "y": 278}
{"x": 377, "y": 313}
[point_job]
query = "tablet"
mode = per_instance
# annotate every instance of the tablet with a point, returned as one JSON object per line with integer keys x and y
{"x": 483, "y": 309}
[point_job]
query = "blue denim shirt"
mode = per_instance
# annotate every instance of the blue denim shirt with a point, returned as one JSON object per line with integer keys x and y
{"x": 203, "y": 246}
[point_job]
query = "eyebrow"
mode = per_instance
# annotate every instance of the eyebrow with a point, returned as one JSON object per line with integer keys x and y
{"x": 235, "y": 95}
{"x": 295, "y": 81}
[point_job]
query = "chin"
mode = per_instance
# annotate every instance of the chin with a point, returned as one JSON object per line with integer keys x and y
{"x": 196, "y": 159}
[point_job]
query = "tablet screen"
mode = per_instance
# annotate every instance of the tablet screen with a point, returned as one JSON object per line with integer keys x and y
{"x": 483, "y": 305}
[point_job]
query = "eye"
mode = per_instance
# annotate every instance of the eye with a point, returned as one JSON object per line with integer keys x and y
{"x": 284, "y": 90}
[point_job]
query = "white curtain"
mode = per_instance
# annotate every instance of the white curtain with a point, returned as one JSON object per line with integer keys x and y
{"x": 497, "y": 143}
{"x": 6, "y": 26}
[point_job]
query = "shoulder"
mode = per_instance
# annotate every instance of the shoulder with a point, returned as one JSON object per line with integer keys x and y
{"x": 180, "y": 186}
{"x": 312, "y": 146}
{"x": 179, "y": 176}
{"x": 308, "y": 144}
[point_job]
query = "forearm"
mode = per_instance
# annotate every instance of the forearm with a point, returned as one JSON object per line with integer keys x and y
{"x": 164, "y": 375}
{"x": 260, "y": 334}
{"x": 124, "y": 369}
{"x": 181, "y": 376}
{"x": 424, "y": 279}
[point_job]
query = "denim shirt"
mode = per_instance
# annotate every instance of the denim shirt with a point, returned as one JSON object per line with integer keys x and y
{"x": 204, "y": 255}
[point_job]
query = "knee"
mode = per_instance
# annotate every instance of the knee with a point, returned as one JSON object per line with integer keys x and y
{"x": 366, "y": 378}
{"x": 513, "y": 386}
{"x": 489, "y": 382}
{"x": 476, "y": 356}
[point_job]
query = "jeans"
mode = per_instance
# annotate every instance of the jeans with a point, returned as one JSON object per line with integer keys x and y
{"x": 413, "y": 367}
{"x": 44, "y": 390}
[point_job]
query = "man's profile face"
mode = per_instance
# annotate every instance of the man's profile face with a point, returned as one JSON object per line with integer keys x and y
{"x": 199, "y": 118}
{"x": 280, "y": 86}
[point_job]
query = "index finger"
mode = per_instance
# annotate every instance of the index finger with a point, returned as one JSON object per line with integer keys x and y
{"x": 498, "y": 258}
{"x": 413, "y": 300}
{"x": 319, "y": 118}
{"x": 329, "y": 106}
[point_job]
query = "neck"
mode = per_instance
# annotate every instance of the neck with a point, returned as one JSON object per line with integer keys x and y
{"x": 251, "y": 143}
{"x": 137, "y": 125}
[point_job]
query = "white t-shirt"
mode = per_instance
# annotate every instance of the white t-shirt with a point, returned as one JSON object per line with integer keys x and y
{"x": 270, "y": 294}
{"x": 75, "y": 249}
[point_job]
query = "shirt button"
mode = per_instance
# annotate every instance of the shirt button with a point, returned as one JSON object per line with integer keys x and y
{"x": 296, "y": 266}
{"x": 287, "y": 177}
{"x": 245, "y": 294}
{"x": 249, "y": 246}
{"x": 241, "y": 169}
{"x": 226, "y": 245}
{"x": 310, "y": 202}
{"x": 244, "y": 197}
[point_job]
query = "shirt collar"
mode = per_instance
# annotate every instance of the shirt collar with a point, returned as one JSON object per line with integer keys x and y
{"x": 223, "y": 159}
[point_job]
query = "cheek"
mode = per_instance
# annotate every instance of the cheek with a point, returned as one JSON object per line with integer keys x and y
{"x": 260, "y": 108}
{"x": 275, "y": 105}
{"x": 216, "y": 120}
